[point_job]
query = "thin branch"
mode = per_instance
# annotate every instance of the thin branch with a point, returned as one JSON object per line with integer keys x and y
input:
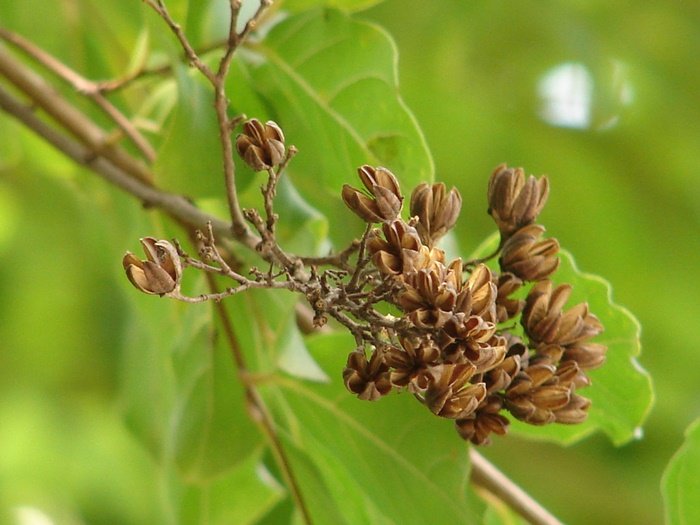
{"x": 269, "y": 191}
{"x": 69, "y": 117}
{"x": 252, "y": 23}
{"x": 84, "y": 86}
{"x": 174, "y": 205}
{"x": 361, "y": 260}
{"x": 486, "y": 475}
{"x": 232, "y": 41}
{"x": 218, "y": 81}
{"x": 105, "y": 86}
{"x": 475, "y": 262}
{"x": 191, "y": 55}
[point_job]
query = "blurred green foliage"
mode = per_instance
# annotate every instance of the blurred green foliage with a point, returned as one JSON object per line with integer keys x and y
{"x": 625, "y": 198}
{"x": 625, "y": 201}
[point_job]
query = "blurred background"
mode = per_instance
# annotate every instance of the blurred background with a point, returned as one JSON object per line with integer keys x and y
{"x": 600, "y": 96}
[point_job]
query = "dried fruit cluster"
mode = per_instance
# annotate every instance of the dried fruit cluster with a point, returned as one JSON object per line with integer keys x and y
{"x": 470, "y": 343}
{"x": 456, "y": 346}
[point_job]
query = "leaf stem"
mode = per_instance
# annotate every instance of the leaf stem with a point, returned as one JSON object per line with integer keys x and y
{"x": 258, "y": 411}
{"x": 486, "y": 475}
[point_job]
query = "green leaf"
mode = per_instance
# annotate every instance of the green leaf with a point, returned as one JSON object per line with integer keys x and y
{"x": 390, "y": 461}
{"x": 680, "y": 484}
{"x": 184, "y": 398}
{"x": 242, "y": 496}
{"x": 621, "y": 392}
{"x": 147, "y": 381}
{"x": 265, "y": 325}
{"x": 212, "y": 430}
{"x": 297, "y": 6}
{"x": 331, "y": 83}
{"x": 189, "y": 160}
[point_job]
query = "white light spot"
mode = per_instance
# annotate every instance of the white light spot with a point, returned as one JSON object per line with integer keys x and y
{"x": 26, "y": 515}
{"x": 566, "y": 92}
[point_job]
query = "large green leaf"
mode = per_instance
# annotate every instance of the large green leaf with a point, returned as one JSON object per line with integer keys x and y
{"x": 331, "y": 84}
{"x": 621, "y": 392}
{"x": 242, "y": 496}
{"x": 265, "y": 325}
{"x": 185, "y": 400}
{"x": 386, "y": 462}
{"x": 211, "y": 427}
{"x": 297, "y": 6}
{"x": 681, "y": 484}
{"x": 189, "y": 160}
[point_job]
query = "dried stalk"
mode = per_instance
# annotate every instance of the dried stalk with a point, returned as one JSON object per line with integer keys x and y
{"x": 486, "y": 475}
{"x": 84, "y": 86}
{"x": 69, "y": 117}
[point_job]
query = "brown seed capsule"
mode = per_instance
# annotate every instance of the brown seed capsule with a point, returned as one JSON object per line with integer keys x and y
{"x": 527, "y": 257}
{"x": 450, "y": 394}
{"x": 545, "y": 321}
{"x": 160, "y": 273}
{"x": 412, "y": 362}
{"x": 575, "y": 411}
{"x": 535, "y": 393}
{"x": 401, "y": 251}
{"x": 437, "y": 210}
{"x": 515, "y": 202}
{"x": 385, "y": 200}
{"x": 260, "y": 145}
{"x": 430, "y": 294}
{"x": 369, "y": 379}
{"x": 506, "y": 306}
{"x": 485, "y": 421}
{"x": 587, "y": 355}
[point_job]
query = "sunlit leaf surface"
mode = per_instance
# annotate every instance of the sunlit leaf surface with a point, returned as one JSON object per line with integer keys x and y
{"x": 296, "y": 6}
{"x": 331, "y": 83}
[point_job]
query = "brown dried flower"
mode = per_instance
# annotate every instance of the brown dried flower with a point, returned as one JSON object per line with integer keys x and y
{"x": 482, "y": 294}
{"x": 506, "y": 306}
{"x": 437, "y": 210}
{"x": 545, "y": 322}
{"x": 401, "y": 251}
{"x": 411, "y": 363}
{"x": 588, "y": 355}
{"x": 369, "y": 379}
{"x": 535, "y": 394}
{"x": 514, "y": 201}
{"x": 483, "y": 422}
{"x": 385, "y": 200}
{"x": 472, "y": 340}
{"x": 450, "y": 394}
{"x": 260, "y": 145}
{"x": 529, "y": 258}
{"x": 160, "y": 273}
{"x": 575, "y": 411}
{"x": 430, "y": 294}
